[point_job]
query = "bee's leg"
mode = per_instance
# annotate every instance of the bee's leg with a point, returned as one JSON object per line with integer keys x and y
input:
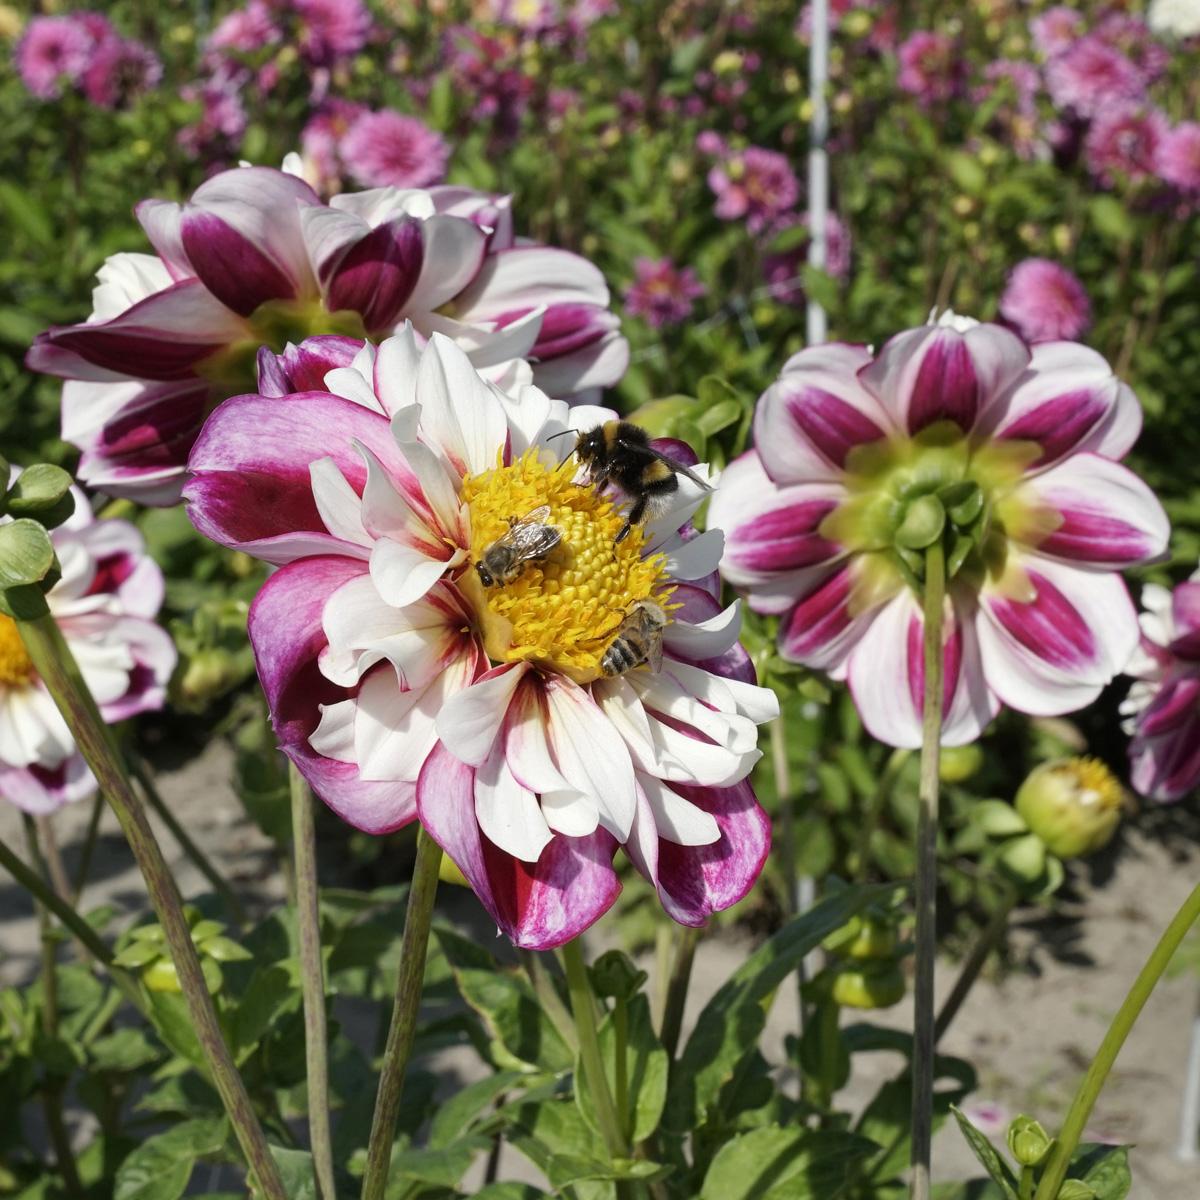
{"x": 634, "y": 515}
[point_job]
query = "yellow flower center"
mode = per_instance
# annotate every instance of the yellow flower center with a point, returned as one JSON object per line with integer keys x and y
{"x": 1095, "y": 784}
{"x": 15, "y": 668}
{"x": 561, "y": 612}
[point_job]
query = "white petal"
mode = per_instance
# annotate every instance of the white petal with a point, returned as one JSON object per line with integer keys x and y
{"x": 338, "y": 503}
{"x": 469, "y": 722}
{"x": 334, "y": 734}
{"x": 404, "y": 573}
{"x": 697, "y": 558}
{"x": 508, "y": 813}
{"x": 759, "y": 704}
{"x": 350, "y": 384}
{"x": 677, "y": 819}
{"x": 570, "y": 813}
{"x": 396, "y": 367}
{"x": 708, "y": 638}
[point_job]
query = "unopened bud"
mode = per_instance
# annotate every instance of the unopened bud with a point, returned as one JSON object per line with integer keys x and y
{"x": 1028, "y": 1142}
{"x": 958, "y": 763}
{"x": 1072, "y": 804}
{"x": 1076, "y": 1189}
{"x": 877, "y": 984}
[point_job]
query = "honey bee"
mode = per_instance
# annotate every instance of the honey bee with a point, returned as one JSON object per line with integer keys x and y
{"x": 639, "y": 640}
{"x": 619, "y": 452}
{"x": 528, "y": 540}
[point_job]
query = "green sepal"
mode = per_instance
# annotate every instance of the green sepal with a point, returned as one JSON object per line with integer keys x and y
{"x": 924, "y": 520}
{"x": 26, "y": 553}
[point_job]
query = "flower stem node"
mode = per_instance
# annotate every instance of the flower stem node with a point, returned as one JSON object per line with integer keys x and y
{"x": 1073, "y": 805}
{"x": 1028, "y": 1142}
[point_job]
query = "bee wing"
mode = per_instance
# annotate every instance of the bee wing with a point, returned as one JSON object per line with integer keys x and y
{"x": 678, "y": 467}
{"x": 538, "y": 516}
{"x": 532, "y": 540}
{"x": 654, "y": 652}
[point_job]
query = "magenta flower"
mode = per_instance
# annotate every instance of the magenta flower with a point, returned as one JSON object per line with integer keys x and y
{"x": 1044, "y": 302}
{"x": 52, "y": 52}
{"x": 661, "y": 292}
{"x": 246, "y": 30}
{"x": 403, "y": 689}
{"x": 105, "y": 604}
{"x": 756, "y": 184}
{"x": 120, "y": 70}
{"x": 1123, "y": 144}
{"x": 388, "y": 149}
{"x": 1091, "y": 76}
{"x": 1056, "y": 30}
{"x": 1177, "y": 157}
{"x": 931, "y": 67}
{"x": 320, "y": 144}
{"x": 1163, "y": 707}
{"x": 329, "y": 31}
{"x": 1020, "y": 446}
{"x": 783, "y": 270}
{"x": 255, "y": 258}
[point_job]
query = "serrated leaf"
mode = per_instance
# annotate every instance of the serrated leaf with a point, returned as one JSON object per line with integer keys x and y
{"x": 989, "y": 1157}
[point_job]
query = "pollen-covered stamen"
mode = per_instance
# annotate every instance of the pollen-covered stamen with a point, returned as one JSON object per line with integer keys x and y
{"x": 563, "y": 611}
{"x": 16, "y": 669}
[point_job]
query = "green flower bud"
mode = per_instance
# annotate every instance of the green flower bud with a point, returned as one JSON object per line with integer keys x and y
{"x": 924, "y": 520}
{"x": 874, "y": 984}
{"x": 614, "y": 975}
{"x": 959, "y": 763}
{"x": 998, "y": 819}
{"x": 1028, "y": 1142}
{"x": 1076, "y": 1189}
{"x": 874, "y": 939}
{"x": 1023, "y": 859}
{"x": 207, "y": 675}
{"x": 1072, "y": 804}
{"x": 449, "y": 872}
{"x": 161, "y": 976}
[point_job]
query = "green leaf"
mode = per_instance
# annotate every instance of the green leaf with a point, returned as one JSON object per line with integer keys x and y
{"x": 511, "y": 1191}
{"x": 712, "y": 420}
{"x": 989, "y": 1158}
{"x": 26, "y": 555}
{"x": 26, "y": 214}
{"x": 967, "y": 172}
{"x": 444, "y": 1166}
{"x": 272, "y": 991}
{"x": 1111, "y": 219}
{"x": 456, "y": 1114}
{"x": 159, "y": 1169}
{"x": 732, "y": 1020}
{"x": 137, "y": 954}
{"x": 774, "y": 1163}
{"x": 37, "y": 489}
{"x": 1105, "y": 1169}
{"x": 296, "y": 1170}
{"x": 124, "y": 1050}
{"x": 169, "y": 1012}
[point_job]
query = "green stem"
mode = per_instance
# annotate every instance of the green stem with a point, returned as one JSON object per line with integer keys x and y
{"x": 52, "y": 1085}
{"x": 1026, "y": 1185}
{"x": 312, "y": 979}
{"x": 141, "y": 772}
{"x": 89, "y": 846}
{"x": 677, "y": 990}
{"x": 1085, "y": 1099}
{"x": 924, "y": 1038}
{"x": 583, "y": 1005}
{"x": 58, "y": 670}
{"x": 987, "y": 941}
{"x": 548, "y": 997}
{"x": 621, "y": 1090}
{"x": 403, "y": 1028}
{"x": 883, "y": 793}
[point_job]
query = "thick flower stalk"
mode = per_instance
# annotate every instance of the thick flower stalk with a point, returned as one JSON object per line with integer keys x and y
{"x": 1162, "y": 709}
{"x": 255, "y": 258}
{"x": 402, "y": 688}
{"x": 957, "y": 433}
{"x": 104, "y": 604}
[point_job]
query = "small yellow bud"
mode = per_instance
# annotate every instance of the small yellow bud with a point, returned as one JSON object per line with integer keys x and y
{"x": 449, "y": 872}
{"x": 1060, "y": 235}
{"x": 869, "y": 985}
{"x": 857, "y": 23}
{"x": 10, "y": 22}
{"x": 959, "y": 763}
{"x": 1073, "y": 804}
{"x": 963, "y": 206}
{"x": 791, "y": 81}
{"x": 728, "y": 62}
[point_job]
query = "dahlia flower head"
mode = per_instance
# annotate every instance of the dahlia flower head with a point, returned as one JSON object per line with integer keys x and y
{"x": 104, "y": 604}
{"x": 404, "y": 690}
{"x": 1090, "y": 75}
{"x": 783, "y": 271}
{"x": 255, "y": 258}
{"x": 662, "y": 293}
{"x": 1124, "y": 144}
{"x": 1044, "y": 302}
{"x": 931, "y": 67}
{"x": 1020, "y": 446}
{"x": 1162, "y": 710}
{"x": 1177, "y": 158}
{"x": 755, "y": 185}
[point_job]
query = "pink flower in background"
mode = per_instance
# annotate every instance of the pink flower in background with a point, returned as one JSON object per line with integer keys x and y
{"x": 1044, "y": 302}
{"x": 783, "y": 269}
{"x": 931, "y": 67}
{"x": 403, "y": 690}
{"x": 246, "y": 30}
{"x": 661, "y": 292}
{"x": 1023, "y": 78}
{"x": 756, "y": 184}
{"x": 1177, "y": 157}
{"x": 388, "y": 149}
{"x": 1123, "y": 144}
{"x": 490, "y": 71}
{"x": 1132, "y": 37}
{"x": 120, "y": 70}
{"x": 1056, "y": 30}
{"x": 255, "y": 258}
{"x": 104, "y": 604}
{"x": 329, "y": 31}
{"x": 1091, "y": 76}
{"x": 222, "y": 120}
{"x": 1020, "y": 446}
{"x": 53, "y": 51}
{"x": 1162, "y": 709}
{"x": 320, "y": 144}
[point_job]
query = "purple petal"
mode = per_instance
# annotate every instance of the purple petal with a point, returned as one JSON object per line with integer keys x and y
{"x": 376, "y": 275}
{"x": 303, "y": 368}
{"x": 1167, "y": 767}
{"x": 822, "y": 629}
{"x": 250, "y": 487}
{"x": 231, "y": 266}
{"x": 287, "y": 634}
{"x": 161, "y": 337}
{"x": 537, "y": 906}
{"x": 1178, "y": 700}
{"x": 41, "y": 790}
{"x": 784, "y": 535}
{"x": 1185, "y": 612}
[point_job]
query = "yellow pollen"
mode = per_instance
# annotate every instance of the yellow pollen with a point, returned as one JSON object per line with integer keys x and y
{"x": 563, "y": 612}
{"x": 1097, "y": 785}
{"x": 15, "y": 667}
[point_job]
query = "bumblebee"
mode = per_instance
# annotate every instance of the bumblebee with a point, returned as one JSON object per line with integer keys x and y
{"x": 620, "y": 453}
{"x": 528, "y": 540}
{"x": 639, "y": 640}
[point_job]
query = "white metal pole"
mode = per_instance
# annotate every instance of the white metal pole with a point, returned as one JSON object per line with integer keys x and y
{"x": 818, "y": 161}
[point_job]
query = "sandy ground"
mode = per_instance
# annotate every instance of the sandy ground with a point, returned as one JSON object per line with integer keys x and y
{"x": 1030, "y": 1035}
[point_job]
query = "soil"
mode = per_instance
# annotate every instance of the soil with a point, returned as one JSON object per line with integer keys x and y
{"x": 1029, "y": 1034}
